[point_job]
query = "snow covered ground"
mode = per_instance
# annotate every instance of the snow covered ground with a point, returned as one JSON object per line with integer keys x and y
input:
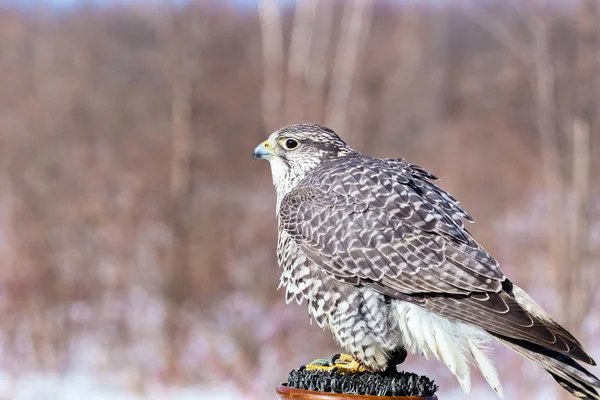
{"x": 77, "y": 386}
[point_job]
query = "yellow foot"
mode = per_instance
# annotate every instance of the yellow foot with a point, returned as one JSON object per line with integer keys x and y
{"x": 341, "y": 363}
{"x": 346, "y": 364}
{"x": 320, "y": 364}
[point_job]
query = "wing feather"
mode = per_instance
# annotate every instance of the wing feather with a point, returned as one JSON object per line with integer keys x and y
{"x": 382, "y": 223}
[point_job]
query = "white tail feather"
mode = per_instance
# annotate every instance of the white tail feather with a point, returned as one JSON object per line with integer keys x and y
{"x": 456, "y": 344}
{"x": 452, "y": 355}
{"x": 486, "y": 367}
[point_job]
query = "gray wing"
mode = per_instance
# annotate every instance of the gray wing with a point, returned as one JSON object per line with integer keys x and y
{"x": 383, "y": 224}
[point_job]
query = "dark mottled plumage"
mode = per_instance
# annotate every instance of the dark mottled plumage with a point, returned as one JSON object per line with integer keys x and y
{"x": 382, "y": 257}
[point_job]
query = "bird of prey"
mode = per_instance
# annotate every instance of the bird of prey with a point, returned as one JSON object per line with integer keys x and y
{"x": 381, "y": 255}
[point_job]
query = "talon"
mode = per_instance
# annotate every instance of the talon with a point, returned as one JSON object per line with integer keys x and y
{"x": 346, "y": 364}
{"x": 335, "y": 357}
{"x": 342, "y": 358}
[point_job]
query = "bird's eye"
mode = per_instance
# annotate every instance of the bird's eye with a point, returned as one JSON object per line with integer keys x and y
{"x": 291, "y": 144}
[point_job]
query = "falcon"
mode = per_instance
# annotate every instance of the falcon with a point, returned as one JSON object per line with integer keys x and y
{"x": 381, "y": 255}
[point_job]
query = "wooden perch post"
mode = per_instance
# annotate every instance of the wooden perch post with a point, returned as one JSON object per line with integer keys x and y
{"x": 287, "y": 393}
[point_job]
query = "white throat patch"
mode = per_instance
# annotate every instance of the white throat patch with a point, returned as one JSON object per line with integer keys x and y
{"x": 280, "y": 172}
{"x": 286, "y": 177}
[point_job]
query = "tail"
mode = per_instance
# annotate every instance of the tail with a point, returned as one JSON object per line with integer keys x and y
{"x": 567, "y": 372}
{"x": 561, "y": 366}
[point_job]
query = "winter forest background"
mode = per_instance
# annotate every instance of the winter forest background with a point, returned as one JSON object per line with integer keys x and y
{"x": 137, "y": 237}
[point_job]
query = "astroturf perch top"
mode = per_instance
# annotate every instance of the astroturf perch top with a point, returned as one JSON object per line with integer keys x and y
{"x": 382, "y": 257}
{"x": 368, "y": 383}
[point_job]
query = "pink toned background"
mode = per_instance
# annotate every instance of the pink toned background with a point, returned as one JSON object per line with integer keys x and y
{"x": 137, "y": 237}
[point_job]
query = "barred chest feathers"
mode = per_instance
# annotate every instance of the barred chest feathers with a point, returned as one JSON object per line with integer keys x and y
{"x": 371, "y": 326}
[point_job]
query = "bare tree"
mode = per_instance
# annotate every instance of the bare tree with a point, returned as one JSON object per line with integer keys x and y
{"x": 181, "y": 34}
{"x": 272, "y": 48}
{"x": 582, "y": 287}
{"x": 299, "y": 58}
{"x": 356, "y": 20}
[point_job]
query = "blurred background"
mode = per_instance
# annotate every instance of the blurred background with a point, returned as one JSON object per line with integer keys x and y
{"x": 137, "y": 237}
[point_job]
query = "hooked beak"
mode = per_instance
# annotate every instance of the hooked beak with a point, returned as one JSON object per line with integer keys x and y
{"x": 263, "y": 150}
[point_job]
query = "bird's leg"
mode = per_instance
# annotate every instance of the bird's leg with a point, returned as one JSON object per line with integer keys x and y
{"x": 346, "y": 364}
{"x": 397, "y": 359}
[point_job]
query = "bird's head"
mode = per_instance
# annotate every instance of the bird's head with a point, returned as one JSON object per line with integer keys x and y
{"x": 295, "y": 150}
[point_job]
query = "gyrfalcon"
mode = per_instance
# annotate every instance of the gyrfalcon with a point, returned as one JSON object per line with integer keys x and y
{"x": 381, "y": 255}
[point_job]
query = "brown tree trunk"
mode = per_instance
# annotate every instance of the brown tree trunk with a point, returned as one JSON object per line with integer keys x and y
{"x": 356, "y": 20}
{"x": 272, "y": 48}
{"x": 176, "y": 277}
{"x": 585, "y": 123}
{"x": 544, "y": 81}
